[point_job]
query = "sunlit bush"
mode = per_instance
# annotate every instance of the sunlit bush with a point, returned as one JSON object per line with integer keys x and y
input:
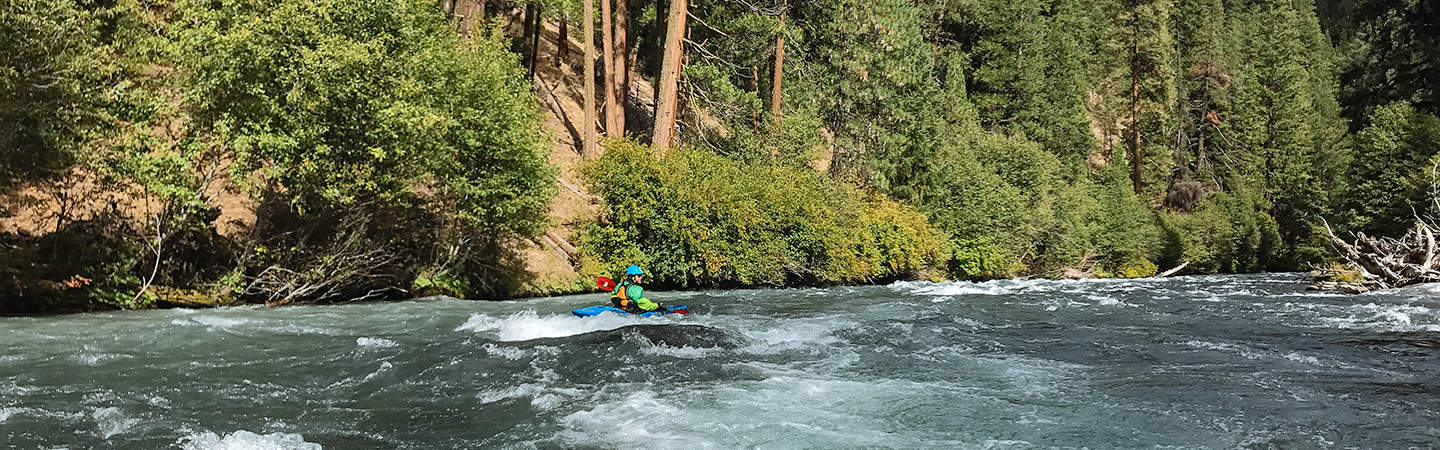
{"x": 696, "y": 218}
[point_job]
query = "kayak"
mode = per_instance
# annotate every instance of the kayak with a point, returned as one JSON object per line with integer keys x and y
{"x": 591, "y": 311}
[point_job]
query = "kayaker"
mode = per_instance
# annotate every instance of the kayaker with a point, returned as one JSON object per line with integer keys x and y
{"x": 629, "y": 295}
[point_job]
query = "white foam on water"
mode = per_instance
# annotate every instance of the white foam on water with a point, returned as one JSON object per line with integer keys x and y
{"x": 369, "y": 342}
{"x": 777, "y": 412}
{"x": 246, "y": 440}
{"x": 973, "y": 324}
{"x": 1382, "y": 317}
{"x": 1105, "y": 300}
{"x": 112, "y": 422}
{"x": 1005, "y": 443}
{"x": 1260, "y": 354}
{"x": 509, "y": 392}
{"x": 384, "y": 366}
{"x": 527, "y": 325}
{"x": 211, "y": 322}
{"x": 542, "y": 395}
{"x": 7, "y": 413}
{"x": 510, "y": 353}
{"x": 794, "y": 334}
{"x": 680, "y": 352}
{"x": 1297, "y": 357}
{"x": 94, "y": 359}
{"x": 1243, "y": 351}
{"x": 962, "y": 288}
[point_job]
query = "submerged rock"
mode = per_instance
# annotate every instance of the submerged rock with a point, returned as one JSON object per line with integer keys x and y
{"x": 696, "y": 336}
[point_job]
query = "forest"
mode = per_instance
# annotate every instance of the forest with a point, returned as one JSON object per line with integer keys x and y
{"x": 208, "y": 152}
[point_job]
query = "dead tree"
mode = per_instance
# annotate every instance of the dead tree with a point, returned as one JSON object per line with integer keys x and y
{"x": 1390, "y": 263}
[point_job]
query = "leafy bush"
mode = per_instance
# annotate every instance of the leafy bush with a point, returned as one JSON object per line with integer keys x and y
{"x": 696, "y": 218}
{"x": 1228, "y": 233}
{"x": 51, "y": 75}
{"x": 1100, "y": 225}
{"x": 368, "y": 126}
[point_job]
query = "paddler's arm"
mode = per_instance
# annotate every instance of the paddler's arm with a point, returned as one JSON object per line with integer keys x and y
{"x": 638, "y": 293}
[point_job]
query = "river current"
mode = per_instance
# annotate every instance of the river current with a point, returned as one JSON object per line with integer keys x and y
{"x": 1209, "y": 362}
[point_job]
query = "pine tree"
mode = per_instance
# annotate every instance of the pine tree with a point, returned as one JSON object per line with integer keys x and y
{"x": 1202, "y": 92}
{"x": 1143, "y": 43}
{"x": 665, "y": 107}
{"x": 1277, "y": 123}
{"x": 608, "y": 65}
{"x": 589, "y": 42}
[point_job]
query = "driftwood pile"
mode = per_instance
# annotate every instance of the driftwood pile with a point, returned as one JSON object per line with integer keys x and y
{"x": 1387, "y": 262}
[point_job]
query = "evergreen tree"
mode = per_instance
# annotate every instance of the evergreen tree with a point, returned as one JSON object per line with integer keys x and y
{"x": 1390, "y": 185}
{"x": 1278, "y": 123}
{"x": 1143, "y": 47}
{"x": 1032, "y": 61}
{"x": 1203, "y": 95}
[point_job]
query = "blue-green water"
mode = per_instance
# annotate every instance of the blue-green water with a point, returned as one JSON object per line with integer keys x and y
{"x": 1219, "y": 362}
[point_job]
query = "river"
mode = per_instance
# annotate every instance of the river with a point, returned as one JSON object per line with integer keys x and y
{"x": 1218, "y": 362}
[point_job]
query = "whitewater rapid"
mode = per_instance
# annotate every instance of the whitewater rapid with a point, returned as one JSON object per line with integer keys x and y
{"x": 1222, "y": 361}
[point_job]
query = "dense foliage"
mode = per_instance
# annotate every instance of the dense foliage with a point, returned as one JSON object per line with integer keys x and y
{"x": 695, "y": 218}
{"x": 1014, "y": 125}
{"x": 377, "y": 145}
{"x": 383, "y": 154}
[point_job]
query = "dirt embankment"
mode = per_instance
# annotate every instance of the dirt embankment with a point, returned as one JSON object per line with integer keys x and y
{"x": 552, "y": 259}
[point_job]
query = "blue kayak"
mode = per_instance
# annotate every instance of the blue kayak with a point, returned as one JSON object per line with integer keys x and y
{"x": 591, "y": 311}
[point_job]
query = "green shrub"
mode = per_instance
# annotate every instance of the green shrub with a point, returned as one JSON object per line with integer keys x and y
{"x": 1100, "y": 223}
{"x": 369, "y": 127}
{"x": 1229, "y": 233}
{"x": 697, "y": 218}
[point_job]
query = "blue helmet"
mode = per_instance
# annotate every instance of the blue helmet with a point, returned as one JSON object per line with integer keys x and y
{"x": 633, "y": 270}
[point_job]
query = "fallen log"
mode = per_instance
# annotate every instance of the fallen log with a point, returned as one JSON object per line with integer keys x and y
{"x": 1384, "y": 262}
{"x": 1176, "y": 270}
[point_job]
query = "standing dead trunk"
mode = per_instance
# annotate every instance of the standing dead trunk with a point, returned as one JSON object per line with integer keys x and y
{"x": 563, "y": 51}
{"x": 607, "y": 40}
{"x": 525, "y": 38}
{"x": 622, "y": 66}
{"x": 588, "y": 150}
{"x": 779, "y": 65}
{"x": 538, "y": 26}
{"x": 670, "y": 77}
{"x": 1136, "y": 163}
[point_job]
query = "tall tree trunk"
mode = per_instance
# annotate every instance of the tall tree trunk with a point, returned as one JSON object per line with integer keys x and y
{"x": 588, "y": 124}
{"x": 658, "y": 51}
{"x": 607, "y": 40}
{"x": 1135, "y": 155}
{"x": 535, "y": 39}
{"x": 670, "y": 77}
{"x": 622, "y": 66}
{"x": 779, "y": 65}
{"x": 525, "y": 38}
{"x": 466, "y": 10}
{"x": 480, "y": 10}
{"x": 563, "y": 52}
